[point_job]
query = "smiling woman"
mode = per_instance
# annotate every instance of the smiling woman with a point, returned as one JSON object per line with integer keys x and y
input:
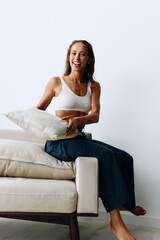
{"x": 76, "y": 98}
{"x": 87, "y": 56}
{"x": 76, "y": 93}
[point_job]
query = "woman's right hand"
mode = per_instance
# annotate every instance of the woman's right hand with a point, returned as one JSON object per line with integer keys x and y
{"x": 72, "y": 125}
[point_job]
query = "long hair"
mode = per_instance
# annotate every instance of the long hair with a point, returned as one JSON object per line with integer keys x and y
{"x": 89, "y": 71}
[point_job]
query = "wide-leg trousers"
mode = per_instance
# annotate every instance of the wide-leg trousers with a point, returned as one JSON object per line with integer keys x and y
{"x": 116, "y": 173}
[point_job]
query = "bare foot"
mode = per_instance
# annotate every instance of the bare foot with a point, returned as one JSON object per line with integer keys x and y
{"x": 139, "y": 211}
{"x": 118, "y": 227}
{"x": 121, "y": 232}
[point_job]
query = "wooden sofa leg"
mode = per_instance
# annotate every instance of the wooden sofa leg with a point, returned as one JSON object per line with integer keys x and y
{"x": 74, "y": 229}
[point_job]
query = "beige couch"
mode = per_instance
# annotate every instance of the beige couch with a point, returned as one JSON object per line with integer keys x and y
{"x": 69, "y": 190}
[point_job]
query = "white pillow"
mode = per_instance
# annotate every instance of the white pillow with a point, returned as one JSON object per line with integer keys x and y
{"x": 40, "y": 123}
{"x": 25, "y": 159}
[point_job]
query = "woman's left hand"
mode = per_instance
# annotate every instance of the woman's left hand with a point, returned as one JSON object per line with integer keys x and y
{"x": 72, "y": 125}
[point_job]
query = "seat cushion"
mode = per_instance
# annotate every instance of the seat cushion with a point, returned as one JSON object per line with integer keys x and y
{"x": 28, "y": 159}
{"x": 37, "y": 195}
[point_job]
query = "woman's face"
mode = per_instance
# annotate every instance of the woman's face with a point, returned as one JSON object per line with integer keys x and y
{"x": 79, "y": 58}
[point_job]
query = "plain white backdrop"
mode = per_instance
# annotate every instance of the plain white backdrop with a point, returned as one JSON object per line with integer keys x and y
{"x": 34, "y": 38}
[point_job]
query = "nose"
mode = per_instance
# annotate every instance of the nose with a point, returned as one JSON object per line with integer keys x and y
{"x": 77, "y": 56}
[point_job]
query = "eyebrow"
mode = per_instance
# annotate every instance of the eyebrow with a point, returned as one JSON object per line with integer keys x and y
{"x": 73, "y": 50}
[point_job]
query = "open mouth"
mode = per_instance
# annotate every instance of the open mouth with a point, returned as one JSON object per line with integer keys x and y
{"x": 77, "y": 64}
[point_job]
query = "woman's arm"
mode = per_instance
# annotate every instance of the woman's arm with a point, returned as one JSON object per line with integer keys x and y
{"x": 93, "y": 116}
{"x": 49, "y": 93}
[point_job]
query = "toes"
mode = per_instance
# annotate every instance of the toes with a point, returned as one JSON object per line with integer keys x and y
{"x": 139, "y": 211}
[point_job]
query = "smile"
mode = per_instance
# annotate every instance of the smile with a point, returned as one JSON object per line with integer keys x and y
{"x": 76, "y": 64}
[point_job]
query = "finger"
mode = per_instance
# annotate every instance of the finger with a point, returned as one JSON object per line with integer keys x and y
{"x": 64, "y": 118}
{"x": 70, "y": 131}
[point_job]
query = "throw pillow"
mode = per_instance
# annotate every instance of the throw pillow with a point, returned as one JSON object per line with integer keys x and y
{"x": 40, "y": 123}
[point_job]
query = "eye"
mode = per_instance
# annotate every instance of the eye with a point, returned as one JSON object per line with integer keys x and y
{"x": 73, "y": 53}
{"x": 84, "y": 54}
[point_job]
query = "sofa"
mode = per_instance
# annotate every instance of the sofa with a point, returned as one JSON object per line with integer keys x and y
{"x": 51, "y": 191}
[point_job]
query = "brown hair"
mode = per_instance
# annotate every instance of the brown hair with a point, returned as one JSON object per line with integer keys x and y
{"x": 89, "y": 71}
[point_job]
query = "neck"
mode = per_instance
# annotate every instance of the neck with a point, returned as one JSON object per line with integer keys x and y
{"x": 76, "y": 77}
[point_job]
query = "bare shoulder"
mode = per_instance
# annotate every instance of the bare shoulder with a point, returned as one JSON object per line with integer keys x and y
{"x": 95, "y": 86}
{"x": 53, "y": 83}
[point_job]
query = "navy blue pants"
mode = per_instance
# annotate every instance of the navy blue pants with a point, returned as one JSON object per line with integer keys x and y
{"x": 116, "y": 176}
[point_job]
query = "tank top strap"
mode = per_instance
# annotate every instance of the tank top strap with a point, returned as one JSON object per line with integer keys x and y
{"x": 63, "y": 82}
{"x": 89, "y": 88}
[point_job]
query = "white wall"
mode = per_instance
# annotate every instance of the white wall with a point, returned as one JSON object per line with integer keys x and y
{"x": 34, "y": 37}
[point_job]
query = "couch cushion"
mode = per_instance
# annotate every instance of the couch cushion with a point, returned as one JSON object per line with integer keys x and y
{"x": 20, "y": 135}
{"x": 37, "y": 195}
{"x": 26, "y": 159}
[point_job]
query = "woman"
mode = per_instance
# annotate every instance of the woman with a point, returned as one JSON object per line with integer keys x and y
{"x": 77, "y": 100}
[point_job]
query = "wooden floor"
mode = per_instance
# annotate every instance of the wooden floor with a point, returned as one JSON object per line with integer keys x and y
{"x": 90, "y": 229}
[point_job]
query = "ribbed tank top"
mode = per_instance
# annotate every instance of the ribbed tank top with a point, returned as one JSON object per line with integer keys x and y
{"x": 68, "y": 100}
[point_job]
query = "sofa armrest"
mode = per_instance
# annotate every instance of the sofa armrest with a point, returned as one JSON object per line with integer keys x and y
{"x": 87, "y": 184}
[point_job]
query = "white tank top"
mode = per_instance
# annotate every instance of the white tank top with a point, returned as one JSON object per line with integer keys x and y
{"x": 68, "y": 100}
